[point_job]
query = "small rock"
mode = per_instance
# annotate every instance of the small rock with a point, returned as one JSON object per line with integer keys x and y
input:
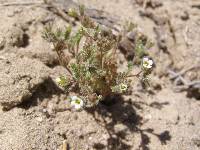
{"x": 127, "y": 48}
{"x": 120, "y": 128}
{"x": 132, "y": 36}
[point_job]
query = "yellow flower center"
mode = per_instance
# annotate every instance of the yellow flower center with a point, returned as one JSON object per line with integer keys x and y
{"x": 146, "y": 63}
{"x": 77, "y": 101}
{"x": 123, "y": 87}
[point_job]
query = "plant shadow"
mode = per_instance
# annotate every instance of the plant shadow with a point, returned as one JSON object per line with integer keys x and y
{"x": 122, "y": 112}
{"x": 44, "y": 91}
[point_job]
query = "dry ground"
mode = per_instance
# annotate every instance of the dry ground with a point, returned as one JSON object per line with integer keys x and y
{"x": 39, "y": 118}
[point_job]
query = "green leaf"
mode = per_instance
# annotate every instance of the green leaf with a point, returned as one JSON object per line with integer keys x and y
{"x": 59, "y": 33}
{"x": 130, "y": 66}
{"x": 72, "y": 12}
{"x": 75, "y": 70}
{"x": 81, "y": 9}
{"x": 68, "y": 32}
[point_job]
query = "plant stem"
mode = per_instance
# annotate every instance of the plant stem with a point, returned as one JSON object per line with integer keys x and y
{"x": 101, "y": 59}
{"x": 62, "y": 59}
{"x": 134, "y": 75}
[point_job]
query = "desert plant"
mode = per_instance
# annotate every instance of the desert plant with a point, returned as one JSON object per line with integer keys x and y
{"x": 93, "y": 70}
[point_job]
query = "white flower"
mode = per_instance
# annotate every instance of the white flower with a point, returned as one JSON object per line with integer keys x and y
{"x": 76, "y": 102}
{"x": 62, "y": 81}
{"x": 58, "y": 80}
{"x": 147, "y": 63}
{"x": 123, "y": 87}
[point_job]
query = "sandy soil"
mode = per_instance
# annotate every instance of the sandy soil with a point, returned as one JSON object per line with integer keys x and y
{"x": 35, "y": 114}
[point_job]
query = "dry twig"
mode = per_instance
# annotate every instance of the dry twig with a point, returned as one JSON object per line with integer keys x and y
{"x": 181, "y": 73}
{"x": 179, "y": 79}
{"x": 25, "y": 3}
{"x": 59, "y": 12}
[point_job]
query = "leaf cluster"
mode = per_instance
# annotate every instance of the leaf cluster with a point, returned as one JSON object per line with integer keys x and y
{"x": 93, "y": 66}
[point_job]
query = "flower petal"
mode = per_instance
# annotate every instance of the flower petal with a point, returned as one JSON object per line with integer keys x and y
{"x": 73, "y": 103}
{"x": 149, "y": 66}
{"x": 73, "y": 98}
{"x": 150, "y": 62}
{"x": 145, "y": 59}
{"x": 58, "y": 79}
{"x": 77, "y": 106}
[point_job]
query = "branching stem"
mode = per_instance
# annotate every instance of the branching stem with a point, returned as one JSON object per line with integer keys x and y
{"x": 134, "y": 75}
